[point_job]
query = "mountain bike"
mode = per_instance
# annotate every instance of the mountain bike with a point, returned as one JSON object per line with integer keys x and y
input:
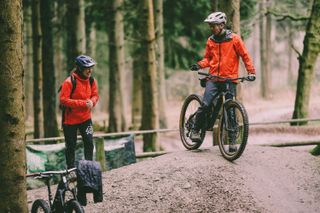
{"x": 65, "y": 199}
{"x": 233, "y": 124}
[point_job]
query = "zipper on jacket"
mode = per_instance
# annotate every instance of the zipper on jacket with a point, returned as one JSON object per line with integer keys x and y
{"x": 219, "y": 59}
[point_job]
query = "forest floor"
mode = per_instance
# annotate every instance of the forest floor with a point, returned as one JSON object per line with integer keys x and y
{"x": 263, "y": 179}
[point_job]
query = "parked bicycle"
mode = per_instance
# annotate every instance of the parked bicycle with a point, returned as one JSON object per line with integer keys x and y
{"x": 65, "y": 199}
{"x": 233, "y": 125}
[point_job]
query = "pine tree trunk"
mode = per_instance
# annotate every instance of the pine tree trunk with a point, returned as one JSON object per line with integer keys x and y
{"x": 262, "y": 38}
{"x": 138, "y": 65}
{"x": 37, "y": 70}
{"x": 307, "y": 62}
{"x": 116, "y": 60}
{"x": 232, "y": 10}
{"x": 162, "y": 100}
{"x": 91, "y": 43}
{"x": 49, "y": 79}
{"x": 28, "y": 77}
{"x": 290, "y": 42}
{"x": 58, "y": 41}
{"x": 149, "y": 91}
{"x": 136, "y": 92}
{"x": 268, "y": 46}
{"x": 13, "y": 192}
{"x": 75, "y": 25}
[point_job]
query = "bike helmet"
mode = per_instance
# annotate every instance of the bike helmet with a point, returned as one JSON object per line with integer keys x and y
{"x": 216, "y": 18}
{"x": 84, "y": 61}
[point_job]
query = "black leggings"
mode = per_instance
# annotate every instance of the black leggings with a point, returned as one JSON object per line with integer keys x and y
{"x": 70, "y": 135}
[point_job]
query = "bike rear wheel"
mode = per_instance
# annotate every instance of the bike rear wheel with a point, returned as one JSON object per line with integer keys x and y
{"x": 73, "y": 206}
{"x": 187, "y": 119}
{"x": 40, "y": 205}
{"x": 233, "y": 130}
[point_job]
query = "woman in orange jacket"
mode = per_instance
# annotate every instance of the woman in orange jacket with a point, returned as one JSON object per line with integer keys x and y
{"x": 222, "y": 53}
{"x": 79, "y": 94}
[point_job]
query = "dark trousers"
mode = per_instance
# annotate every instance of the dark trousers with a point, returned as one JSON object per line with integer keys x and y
{"x": 70, "y": 135}
{"x": 212, "y": 91}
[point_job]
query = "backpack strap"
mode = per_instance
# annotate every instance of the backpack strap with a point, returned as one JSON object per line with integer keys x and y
{"x": 74, "y": 84}
{"x": 91, "y": 79}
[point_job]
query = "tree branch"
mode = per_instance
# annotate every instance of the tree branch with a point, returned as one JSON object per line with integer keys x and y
{"x": 297, "y": 51}
{"x": 284, "y": 16}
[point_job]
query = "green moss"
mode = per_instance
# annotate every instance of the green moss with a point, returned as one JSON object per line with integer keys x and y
{"x": 315, "y": 151}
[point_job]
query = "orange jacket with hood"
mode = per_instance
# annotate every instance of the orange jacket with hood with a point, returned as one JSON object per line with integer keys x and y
{"x": 222, "y": 56}
{"x": 77, "y": 111}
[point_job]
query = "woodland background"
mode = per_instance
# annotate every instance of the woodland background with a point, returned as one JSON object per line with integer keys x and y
{"x": 143, "y": 49}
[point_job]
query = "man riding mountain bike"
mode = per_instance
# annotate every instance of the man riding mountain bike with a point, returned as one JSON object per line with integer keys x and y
{"x": 222, "y": 53}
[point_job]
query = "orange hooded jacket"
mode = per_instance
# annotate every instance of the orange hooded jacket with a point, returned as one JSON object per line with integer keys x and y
{"x": 222, "y": 57}
{"x": 77, "y": 111}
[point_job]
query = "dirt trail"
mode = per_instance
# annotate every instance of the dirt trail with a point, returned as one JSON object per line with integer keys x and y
{"x": 264, "y": 179}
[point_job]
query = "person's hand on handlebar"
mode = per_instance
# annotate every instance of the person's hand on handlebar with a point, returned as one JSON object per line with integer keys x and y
{"x": 195, "y": 67}
{"x": 251, "y": 77}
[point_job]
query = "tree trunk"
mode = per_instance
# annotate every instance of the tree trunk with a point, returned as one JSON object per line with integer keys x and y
{"x": 91, "y": 43}
{"x": 268, "y": 46}
{"x": 37, "y": 70}
{"x": 13, "y": 190}
{"x": 49, "y": 78}
{"x": 149, "y": 91}
{"x": 116, "y": 60}
{"x": 136, "y": 91}
{"x": 75, "y": 25}
{"x": 138, "y": 66}
{"x": 290, "y": 43}
{"x": 58, "y": 40}
{"x": 162, "y": 100}
{"x": 263, "y": 63}
{"x": 28, "y": 77}
{"x": 307, "y": 62}
{"x": 232, "y": 10}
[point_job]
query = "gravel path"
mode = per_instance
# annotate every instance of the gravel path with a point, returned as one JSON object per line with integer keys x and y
{"x": 264, "y": 179}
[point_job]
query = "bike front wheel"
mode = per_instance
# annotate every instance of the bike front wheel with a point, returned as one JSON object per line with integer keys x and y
{"x": 187, "y": 119}
{"x": 73, "y": 206}
{"x": 40, "y": 205}
{"x": 233, "y": 130}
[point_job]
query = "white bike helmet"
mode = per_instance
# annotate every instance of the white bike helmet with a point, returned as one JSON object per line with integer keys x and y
{"x": 216, "y": 18}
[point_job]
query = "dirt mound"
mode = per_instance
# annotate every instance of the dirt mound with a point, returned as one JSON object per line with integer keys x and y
{"x": 264, "y": 179}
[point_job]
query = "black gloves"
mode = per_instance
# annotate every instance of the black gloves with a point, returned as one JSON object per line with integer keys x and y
{"x": 251, "y": 77}
{"x": 195, "y": 67}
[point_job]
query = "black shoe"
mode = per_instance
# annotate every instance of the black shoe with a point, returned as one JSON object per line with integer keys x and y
{"x": 195, "y": 136}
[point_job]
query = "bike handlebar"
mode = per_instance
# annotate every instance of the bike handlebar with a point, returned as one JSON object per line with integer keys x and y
{"x": 241, "y": 79}
{"x": 48, "y": 173}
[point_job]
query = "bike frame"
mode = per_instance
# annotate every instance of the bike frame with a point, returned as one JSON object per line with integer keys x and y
{"x": 62, "y": 188}
{"x": 222, "y": 95}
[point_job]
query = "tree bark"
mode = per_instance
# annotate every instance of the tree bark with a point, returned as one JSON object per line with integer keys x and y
{"x": 75, "y": 25}
{"x": 37, "y": 70}
{"x": 49, "y": 78}
{"x": 263, "y": 59}
{"x": 137, "y": 90}
{"x": 116, "y": 60}
{"x": 149, "y": 79}
{"x": 290, "y": 43}
{"x": 28, "y": 77}
{"x": 138, "y": 66}
{"x": 268, "y": 46}
{"x": 307, "y": 62}
{"x": 162, "y": 100}
{"x": 13, "y": 190}
{"x": 232, "y": 9}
